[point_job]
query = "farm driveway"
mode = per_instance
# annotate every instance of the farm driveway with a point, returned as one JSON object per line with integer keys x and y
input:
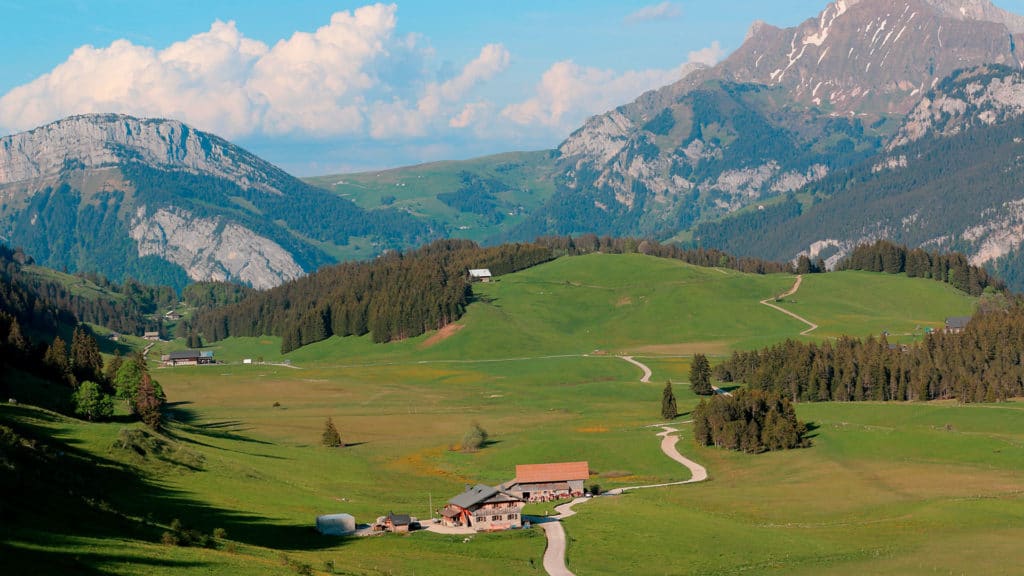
{"x": 554, "y": 554}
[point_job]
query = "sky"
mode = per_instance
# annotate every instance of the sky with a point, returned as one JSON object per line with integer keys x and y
{"x": 322, "y": 87}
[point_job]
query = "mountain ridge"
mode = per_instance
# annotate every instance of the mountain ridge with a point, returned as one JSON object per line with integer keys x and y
{"x": 162, "y": 202}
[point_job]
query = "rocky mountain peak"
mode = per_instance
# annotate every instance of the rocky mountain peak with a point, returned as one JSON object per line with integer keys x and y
{"x": 102, "y": 140}
{"x": 981, "y": 10}
{"x": 876, "y": 56}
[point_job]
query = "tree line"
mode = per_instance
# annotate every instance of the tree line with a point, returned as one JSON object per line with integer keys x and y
{"x": 393, "y": 297}
{"x": 952, "y": 268}
{"x": 981, "y": 364}
{"x": 77, "y": 379}
{"x": 402, "y": 295}
{"x": 42, "y": 304}
{"x": 751, "y": 421}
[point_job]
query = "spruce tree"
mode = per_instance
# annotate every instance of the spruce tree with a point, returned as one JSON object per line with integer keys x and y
{"x": 668, "y": 402}
{"x": 85, "y": 361}
{"x": 700, "y": 375}
{"x": 330, "y": 437}
{"x": 56, "y": 359}
{"x": 16, "y": 339}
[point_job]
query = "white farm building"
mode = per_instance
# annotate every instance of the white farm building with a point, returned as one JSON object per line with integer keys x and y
{"x": 336, "y": 524}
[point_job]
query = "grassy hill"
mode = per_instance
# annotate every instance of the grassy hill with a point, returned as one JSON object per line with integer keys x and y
{"x": 515, "y": 183}
{"x": 902, "y": 488}
{"x": 635, "y": 304}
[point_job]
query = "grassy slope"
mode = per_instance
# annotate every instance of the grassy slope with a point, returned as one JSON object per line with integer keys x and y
{"x": 868, "y": 303}
{"x": 415, "y": 188}
{"x": 886, "y": 488}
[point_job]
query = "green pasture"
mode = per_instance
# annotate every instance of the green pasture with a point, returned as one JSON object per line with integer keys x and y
{"x": 900, "y": 488}
{"x": 862, "y": 303}
{"x": 528, "y": 184}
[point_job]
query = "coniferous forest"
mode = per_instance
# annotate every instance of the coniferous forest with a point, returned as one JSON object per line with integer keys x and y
{"x": 981, "y": 364}
{"x": 750, "y": 421}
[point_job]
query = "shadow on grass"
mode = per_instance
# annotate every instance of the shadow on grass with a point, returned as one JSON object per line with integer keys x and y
{"x": 25, "y": 558}
{"x": 811, "y": 428}
{"x": 62, "y": 493}
{"x": 187, "y": 418}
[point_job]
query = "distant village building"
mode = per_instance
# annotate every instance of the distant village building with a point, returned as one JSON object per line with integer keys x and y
{"x": 480, "y": 275}
{"x": 545, "y": 482}
{"x": 154, "y": 336}
{"x": 188, "y": 358}
{"x": 957, "y": 324}
{"x": 172, "y": 315}
{"x": 484, "y": 508}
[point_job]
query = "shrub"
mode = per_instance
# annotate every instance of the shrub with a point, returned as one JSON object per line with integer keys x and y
{"x": 330, "y": 437}
{"x": 475, "y": 438}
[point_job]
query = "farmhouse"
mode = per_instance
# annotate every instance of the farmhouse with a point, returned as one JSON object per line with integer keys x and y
{"x": 484, "y": 508}
{"x": 480, "y": 274}
{"x": 397, "y": 522}
{"x": 153, "y": 336}
{"x": 187, "y": 358}
{"x": 544, "y": 482}
{"x": 956, "y": 324}
{"x": 172, "y": 315}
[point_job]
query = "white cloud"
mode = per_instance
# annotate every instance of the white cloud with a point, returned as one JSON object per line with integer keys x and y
{"x": 399, "y": 118}
{"x": 352, "y": 77}
{"x": 709, "y": 55}
{"x": 471, "y": 114}
{"x": 662, "y": 11}
{"x": 568, "y": 93}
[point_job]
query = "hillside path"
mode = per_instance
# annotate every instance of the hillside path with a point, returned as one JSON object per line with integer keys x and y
{"x": 554, "y": 553}
{"x": 796, "y": 286}
{"x": 647, "y": 371}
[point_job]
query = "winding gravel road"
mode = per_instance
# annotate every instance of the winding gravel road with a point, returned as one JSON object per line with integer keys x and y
{"x": 796, "y": 286}
{"x": 647, "y": 371}
{"x": 554, "y": 554}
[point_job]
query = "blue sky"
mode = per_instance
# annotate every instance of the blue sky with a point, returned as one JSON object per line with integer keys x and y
{"x": 320, "y": 87}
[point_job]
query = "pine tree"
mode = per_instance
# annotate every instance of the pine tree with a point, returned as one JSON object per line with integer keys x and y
{"x": 56, "y": 359}
{"x": 330, "y": 437}
{"x": 700, "y": 375}
{"x": 668, "y": 402}
{"x": 85, "y": 360}
{"x": 15, "y": 338}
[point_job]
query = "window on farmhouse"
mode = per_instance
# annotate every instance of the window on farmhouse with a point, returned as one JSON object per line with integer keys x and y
{"x": 495, "y": 518}
{"x": 481, "y": 518}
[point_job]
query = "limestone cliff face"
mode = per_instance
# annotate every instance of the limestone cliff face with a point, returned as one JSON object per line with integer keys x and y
{"x": 93, "y": 157}
{"x": 101, "y": 140}
{"x": 210, "y": 249}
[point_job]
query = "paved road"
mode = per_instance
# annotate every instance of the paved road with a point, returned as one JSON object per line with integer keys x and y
{"x": 796, "y": 286}
{"x": 554, "y": 554}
